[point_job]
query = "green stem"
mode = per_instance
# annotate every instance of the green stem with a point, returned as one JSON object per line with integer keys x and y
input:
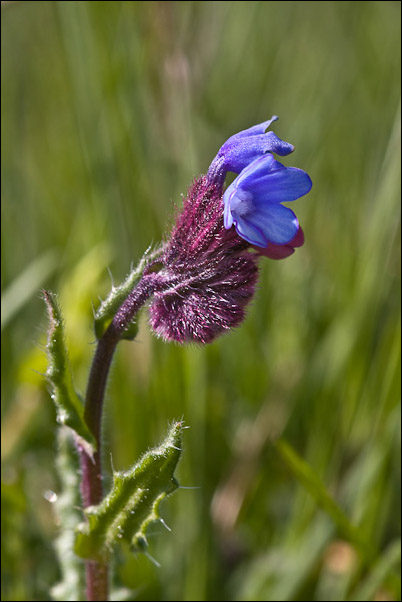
{"x": 91, "y": 467}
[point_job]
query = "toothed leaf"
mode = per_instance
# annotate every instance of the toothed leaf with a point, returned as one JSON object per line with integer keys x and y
{"x": 69, "y": 406}
{"x": 133, "y": 502}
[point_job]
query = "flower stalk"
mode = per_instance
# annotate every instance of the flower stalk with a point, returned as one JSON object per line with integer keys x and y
{"x": 91, "y": 467}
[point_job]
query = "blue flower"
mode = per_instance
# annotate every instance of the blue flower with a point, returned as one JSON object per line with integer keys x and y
{"x": 207, "y": 275}
{"x": 252, "y": 203}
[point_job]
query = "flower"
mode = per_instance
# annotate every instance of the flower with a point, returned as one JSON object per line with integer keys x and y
{"x": 208, "y": 275}
{"x": 252, "y": 203}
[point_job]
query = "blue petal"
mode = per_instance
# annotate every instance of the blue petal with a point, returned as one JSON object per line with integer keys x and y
{"x": 278, "y": 223}
{"x": 240, "y": 152}
{"x": 257, "y": 169}
{"x": 250, "y": 232}
{"x": 246, "y": 146}
{"x": 269, "y": 223}
{"x": 260, "y": 128}
{"x": 270, "y": 182}
{"x": 228, "y": 195}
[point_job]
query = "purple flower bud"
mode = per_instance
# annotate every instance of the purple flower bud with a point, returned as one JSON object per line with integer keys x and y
{"x": 208, "y": 273}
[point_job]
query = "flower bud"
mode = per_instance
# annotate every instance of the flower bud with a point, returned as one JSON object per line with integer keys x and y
{"x": 210, "y": 274}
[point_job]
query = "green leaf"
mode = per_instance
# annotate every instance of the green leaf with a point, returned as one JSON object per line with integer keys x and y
{"x": 108, "y": 308}
{"x": 67, "y": 508}
{"x": 133, "y": 502}
{"x": 69, "y": 406}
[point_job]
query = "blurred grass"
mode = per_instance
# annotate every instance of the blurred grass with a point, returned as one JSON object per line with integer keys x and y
{"x": 108, "y": 110}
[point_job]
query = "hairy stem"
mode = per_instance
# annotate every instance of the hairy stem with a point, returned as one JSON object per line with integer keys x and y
{"x": 91, "y": 484}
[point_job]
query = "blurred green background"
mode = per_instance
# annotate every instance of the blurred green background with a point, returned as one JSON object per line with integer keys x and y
{"x": 109, "y": 109}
